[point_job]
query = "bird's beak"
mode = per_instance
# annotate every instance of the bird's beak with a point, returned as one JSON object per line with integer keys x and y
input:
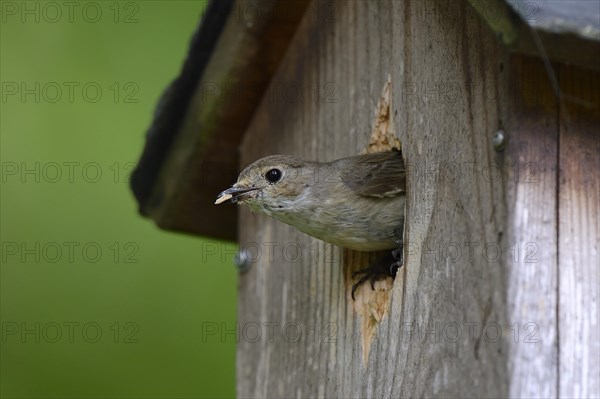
{"x": 234, "y": 194}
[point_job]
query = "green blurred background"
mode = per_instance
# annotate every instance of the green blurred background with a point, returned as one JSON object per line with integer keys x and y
{"x": 95, "y": 300}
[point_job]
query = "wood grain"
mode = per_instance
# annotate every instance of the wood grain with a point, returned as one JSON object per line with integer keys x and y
{"x": 445, "y": 333}
{"x": 532, "y": 274}
{"x": 579, "y": 234}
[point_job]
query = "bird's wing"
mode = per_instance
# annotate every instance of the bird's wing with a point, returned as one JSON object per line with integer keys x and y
{"x": 380, "y": 174}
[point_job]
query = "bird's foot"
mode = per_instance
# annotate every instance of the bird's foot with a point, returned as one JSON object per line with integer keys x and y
{"x": 387, "y": 266}
{"x": 398, "y": 255}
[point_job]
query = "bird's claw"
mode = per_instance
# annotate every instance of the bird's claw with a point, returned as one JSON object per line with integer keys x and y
{"x": 367, "y": 274}
{"x": 394, "y": 268}
{"x": 378, "y": 270}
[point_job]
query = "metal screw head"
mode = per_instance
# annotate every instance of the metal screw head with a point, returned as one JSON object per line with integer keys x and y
{"x": 499, "y": 140}
{"x": 242, "y": 261}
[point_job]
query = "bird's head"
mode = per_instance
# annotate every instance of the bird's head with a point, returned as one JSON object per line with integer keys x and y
{"x": 270, "y": 184}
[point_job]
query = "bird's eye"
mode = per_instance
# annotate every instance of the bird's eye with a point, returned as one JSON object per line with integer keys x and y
{"x": 273, "y": 175}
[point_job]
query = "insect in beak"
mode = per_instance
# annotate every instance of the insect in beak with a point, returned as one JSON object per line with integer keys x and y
{"x": 234, "y": 194}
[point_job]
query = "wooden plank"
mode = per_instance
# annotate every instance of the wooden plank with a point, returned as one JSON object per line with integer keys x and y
{"x": 531, "y": 264}
{"x": 579, "y": 234}
{"x": 446, "y": 322}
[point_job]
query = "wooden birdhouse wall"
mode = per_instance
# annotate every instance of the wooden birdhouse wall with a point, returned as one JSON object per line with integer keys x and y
{"x": 449, "y": 94}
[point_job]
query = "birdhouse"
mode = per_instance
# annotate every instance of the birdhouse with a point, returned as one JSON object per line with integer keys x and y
{"x": 496, "y": 106}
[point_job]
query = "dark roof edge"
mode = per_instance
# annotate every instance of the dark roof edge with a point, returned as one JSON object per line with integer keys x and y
{"x": 172, "y": 106}
{"x": 519, "y": 35}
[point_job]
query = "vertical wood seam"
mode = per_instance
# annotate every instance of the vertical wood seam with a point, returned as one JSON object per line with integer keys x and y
{"x": 559, "y": 105}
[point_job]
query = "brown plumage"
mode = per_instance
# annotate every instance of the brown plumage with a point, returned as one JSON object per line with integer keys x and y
{"x": 355, "y": 202}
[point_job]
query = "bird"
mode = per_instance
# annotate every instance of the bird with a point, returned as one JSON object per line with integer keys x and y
{"x": 356, "y": 202}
